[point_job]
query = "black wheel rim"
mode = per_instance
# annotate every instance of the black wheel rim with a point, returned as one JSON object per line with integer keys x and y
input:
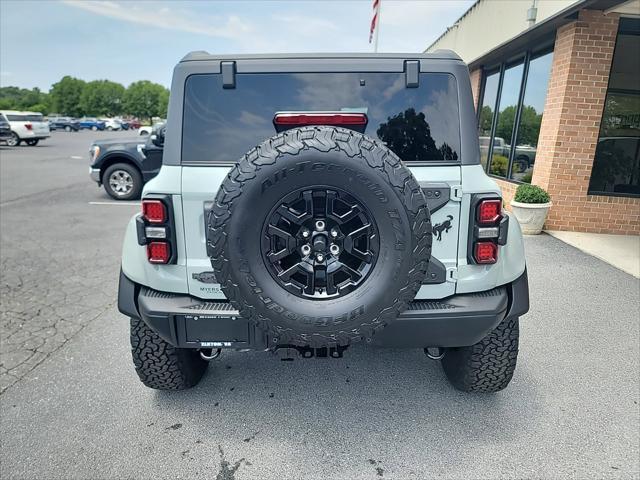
{"x": 320, "y": 243}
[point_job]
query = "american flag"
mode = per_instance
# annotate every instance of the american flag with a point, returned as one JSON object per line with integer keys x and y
{"x": 374, "y": 20}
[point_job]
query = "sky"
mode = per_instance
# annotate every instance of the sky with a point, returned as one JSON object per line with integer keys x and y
{"x": 124, "y": 41}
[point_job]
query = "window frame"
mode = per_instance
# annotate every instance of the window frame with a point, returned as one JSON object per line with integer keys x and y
{"x": 623, "y": 29}
{"x": 422, "y": 73}
{"x": 525, "y": 57}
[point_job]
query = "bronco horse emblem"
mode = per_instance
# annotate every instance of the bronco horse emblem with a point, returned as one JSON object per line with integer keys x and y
{"x": 442, "y": 227}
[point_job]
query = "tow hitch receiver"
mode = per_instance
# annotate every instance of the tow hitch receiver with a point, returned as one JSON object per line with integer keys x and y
{"x": 288, "y": 353}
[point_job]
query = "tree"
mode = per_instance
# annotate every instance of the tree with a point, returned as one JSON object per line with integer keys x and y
{"x": 145, "y": 99}
{"x": 486, "y": 117}
{"x": 65, "y": 96}
{"x": 505, "y": 123}
{"x": 102, "y": 97}
{"x": 529, "y": 127}
{"x": 14, "y": 98}
{"x": 408, "y": 135}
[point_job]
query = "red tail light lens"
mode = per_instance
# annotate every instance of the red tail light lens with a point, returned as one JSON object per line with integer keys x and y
{"x": 154, "y": 211}
{"x": 28, "y": 126}
{"x": 489, "y": 211}
{"x": 337, "y": 119}
{"x": 485, "y": 252}
{"x": 158, "y": 252}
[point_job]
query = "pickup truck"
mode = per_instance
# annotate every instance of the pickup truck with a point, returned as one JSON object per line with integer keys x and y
{"x": 525, "y": 154}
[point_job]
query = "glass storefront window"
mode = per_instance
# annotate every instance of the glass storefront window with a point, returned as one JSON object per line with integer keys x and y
{"x": 486, "y": 114}
{"x": 616, "y": 166}
{"x": 531, "y": 118}
{"x": 499, "y": 165}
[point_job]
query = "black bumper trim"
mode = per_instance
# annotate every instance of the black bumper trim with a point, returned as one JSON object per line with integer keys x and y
{"x": 460, "y": 320}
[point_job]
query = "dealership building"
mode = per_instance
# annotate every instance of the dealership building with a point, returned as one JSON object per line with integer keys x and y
{"x": 556, "y": 85}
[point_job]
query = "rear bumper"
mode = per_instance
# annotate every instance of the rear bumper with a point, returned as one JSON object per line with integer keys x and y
{"x": 460, "y": 320}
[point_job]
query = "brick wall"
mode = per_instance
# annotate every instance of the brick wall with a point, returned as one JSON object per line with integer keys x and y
{"x": 570, "y": 126}
{"x": 476, "y": 83}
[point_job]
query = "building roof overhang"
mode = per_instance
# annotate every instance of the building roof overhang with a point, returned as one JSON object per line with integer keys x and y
{"x": 540, "y": 34}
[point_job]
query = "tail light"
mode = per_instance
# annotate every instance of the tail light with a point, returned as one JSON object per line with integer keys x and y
{"x": 28, "y": 126}
{"x": 158, "y": 252}
{"x": 485, "y": 252}
{"x": 488, "y": 229}
{"x": 154, "y": 211}
{"x": 489, "y": 211}
{"x": 156, "y": 231}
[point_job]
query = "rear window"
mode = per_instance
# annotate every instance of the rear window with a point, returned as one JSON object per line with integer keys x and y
{"x": 25, "y": 118}
{"x": 418, "y": 124}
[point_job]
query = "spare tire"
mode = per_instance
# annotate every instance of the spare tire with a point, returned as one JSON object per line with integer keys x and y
{"x": 320, "y": 236}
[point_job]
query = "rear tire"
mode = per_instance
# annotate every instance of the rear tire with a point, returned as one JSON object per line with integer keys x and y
{"x": 14, "y": 140}
{"x": 161, "y": 365}
{"x": 32, "y": 143}
{"x": 488, "y": 365}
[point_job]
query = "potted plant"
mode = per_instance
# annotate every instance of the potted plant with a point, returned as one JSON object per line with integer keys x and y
{"x": 530, "y": 206}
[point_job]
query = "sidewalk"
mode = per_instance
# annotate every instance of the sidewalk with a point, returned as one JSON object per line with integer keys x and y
{"x": 621, "y": 251}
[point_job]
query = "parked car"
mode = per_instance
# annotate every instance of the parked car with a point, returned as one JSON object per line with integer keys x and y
{"x": 309, "y": 221}
{"x": 124, "y": 124}
{"x": 123, "y": 166}
{"x": 5, "y": 129}
{"x": 67, "y": 124}
{"x": 27, "y": 127}
{"x": 525, "y": 154}
{"x": 111, "y": 124}
{"x": 145, "y": 130}
{"x": 94, "y": 124}
{"x": 134, "y": 124}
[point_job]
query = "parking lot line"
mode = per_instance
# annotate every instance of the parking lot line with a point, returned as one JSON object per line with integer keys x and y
{"x": 76, "y": 157}
{"x": 115, "y": 203}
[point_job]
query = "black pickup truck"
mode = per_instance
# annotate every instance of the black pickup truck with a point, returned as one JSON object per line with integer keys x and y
{"x": 124, "y": 165}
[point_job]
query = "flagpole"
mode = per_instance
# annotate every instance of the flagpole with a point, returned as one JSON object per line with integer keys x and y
{"x": 375, "y": 41}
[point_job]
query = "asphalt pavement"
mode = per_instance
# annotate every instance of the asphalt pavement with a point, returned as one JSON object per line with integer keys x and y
{"x": 73, "y": 407}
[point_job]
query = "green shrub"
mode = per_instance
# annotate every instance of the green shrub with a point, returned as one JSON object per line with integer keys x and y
{"x": 526, "y": 178}
{"x": 499, "y": 165}
{"x": 531, "y": 194}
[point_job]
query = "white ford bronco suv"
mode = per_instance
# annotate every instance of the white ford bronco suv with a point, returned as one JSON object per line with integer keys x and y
{"x": 306, "y": 203}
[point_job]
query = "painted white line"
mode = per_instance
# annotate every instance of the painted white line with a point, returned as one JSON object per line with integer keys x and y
{"x": 137, "y": 204}
{"x": 76, "y": 157}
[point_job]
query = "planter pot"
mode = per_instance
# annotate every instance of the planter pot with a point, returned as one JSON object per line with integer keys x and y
{"x": 531, "y": 216}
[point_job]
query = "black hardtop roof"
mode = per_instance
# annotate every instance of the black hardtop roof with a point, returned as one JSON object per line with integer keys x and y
{"x": 206, "y": 56}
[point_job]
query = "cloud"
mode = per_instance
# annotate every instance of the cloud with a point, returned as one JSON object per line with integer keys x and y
{"x": 145, "y": 13}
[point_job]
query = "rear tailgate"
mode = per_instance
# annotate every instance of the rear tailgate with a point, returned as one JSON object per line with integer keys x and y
{"x": 39, "y": 126}
{"x": 417, "y": 118}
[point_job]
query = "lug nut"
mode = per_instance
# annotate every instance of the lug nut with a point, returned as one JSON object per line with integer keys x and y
{"x": 334, "y": 249}
{"x": 306, "y": 250}
{"x": 320, "y": 257}
{"x": 320, "y": 226}
{"x": 305, "y": 233}
{"x": 334, "y": 233}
